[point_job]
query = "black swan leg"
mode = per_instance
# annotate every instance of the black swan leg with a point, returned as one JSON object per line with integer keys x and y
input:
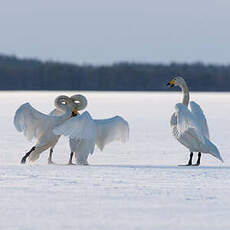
{"x": 190, "y": 160}
{"x": 23, "y": 160}
{"x": 70, "y": 159}
{"x": 198, "y": 159}
{"x": 50, "y": 157}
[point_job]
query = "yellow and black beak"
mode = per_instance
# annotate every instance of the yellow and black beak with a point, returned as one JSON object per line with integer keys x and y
{"x": 74, "y": 113}
{"x": 171, "y": 83}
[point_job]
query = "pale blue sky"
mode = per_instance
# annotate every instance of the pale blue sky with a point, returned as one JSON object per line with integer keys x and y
{"x": 105, "y": 31}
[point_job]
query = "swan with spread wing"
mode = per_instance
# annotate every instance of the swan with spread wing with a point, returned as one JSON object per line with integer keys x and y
{"x": 81, "y": 103}
{"x": 85, "y": 132}
{"x": 190, "y": 127}
{"x": 39, "y": 126}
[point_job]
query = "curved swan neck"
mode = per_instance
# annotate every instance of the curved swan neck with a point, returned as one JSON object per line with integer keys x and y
{"x": 80, "y": 101}
{"x": 185, "y": 93}
{"x": 63, "y": 107}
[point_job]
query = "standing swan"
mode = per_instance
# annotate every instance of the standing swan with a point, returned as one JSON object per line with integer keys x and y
{"x": 35, "y": 124}
{"x": 81, "y": 103}
{"x": 85, "y": 132}
{"x": 190, "y": 127}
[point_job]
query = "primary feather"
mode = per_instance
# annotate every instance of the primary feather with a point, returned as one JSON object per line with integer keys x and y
{"x": 200, "y": 117}
{"x": 112, "y": 129}
{"x": 31, "y": 122}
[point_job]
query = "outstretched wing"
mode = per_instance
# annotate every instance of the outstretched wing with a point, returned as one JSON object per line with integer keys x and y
{"x": 30, "y": 121}
{"x": 188, "y": 128}
{"x": 112, "y": 129}
{"x": 200, "y": 117}
{"x": 78, "y": 127}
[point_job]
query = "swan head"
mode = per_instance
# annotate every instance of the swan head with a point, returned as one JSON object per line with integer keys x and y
{"x": 79, "y": 101}
{"x": 176, "y": 81}
{"x": 62, "y": 102}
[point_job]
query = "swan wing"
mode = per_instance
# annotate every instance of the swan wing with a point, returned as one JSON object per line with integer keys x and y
{"x": 187, "y": 126}
{"x": 200, "y": 117}
{"x": 30, "y": 121}
{"x": 190, "y": 133}
{"x": 78, "y": 127}
{"x": 112, "y": 129}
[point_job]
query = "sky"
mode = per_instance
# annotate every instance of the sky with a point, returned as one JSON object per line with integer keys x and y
{"x": 104, "y": 31}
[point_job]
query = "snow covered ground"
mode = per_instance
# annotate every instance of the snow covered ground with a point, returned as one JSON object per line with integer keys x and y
{"x": 137, "y": 185}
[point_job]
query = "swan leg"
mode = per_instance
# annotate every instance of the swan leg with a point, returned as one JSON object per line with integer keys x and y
{"x": 23, "y": 160}
{"x": 70, "y": 159}
{"x": 198, "y": 160}
{"x": 50, "y": 157}
{"x": 190, "y": 160}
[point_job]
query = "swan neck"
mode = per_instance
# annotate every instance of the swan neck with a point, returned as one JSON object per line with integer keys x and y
{"x": 185, "y": 92}
{"x": 63, "y": 107}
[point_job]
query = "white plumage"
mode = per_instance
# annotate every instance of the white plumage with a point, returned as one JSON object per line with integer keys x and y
{"x": 39, "y": 126}
{"x": 190, "y": 127}
{"x": 200, "y": 118}
{"x": 111, "y": 129}
{"x": 33, "y": 123}
{"x": 85, "y": 132}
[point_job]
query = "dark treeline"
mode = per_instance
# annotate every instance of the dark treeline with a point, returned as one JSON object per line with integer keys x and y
{"x": 31, "y": 74}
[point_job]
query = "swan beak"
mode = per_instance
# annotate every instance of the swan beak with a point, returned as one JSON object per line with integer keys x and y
{"x": 171, "y": 83}
{"x": 75, "y": 111}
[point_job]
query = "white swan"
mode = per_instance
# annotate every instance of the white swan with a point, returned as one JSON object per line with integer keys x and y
{"x": 35, "y": 124}
{"x": 81, "y": 103}
{"x": 84, "y": 132}
{"x": 190, "y": 127}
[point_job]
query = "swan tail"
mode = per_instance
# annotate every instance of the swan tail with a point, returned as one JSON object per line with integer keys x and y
{"x": 213, "y": 150}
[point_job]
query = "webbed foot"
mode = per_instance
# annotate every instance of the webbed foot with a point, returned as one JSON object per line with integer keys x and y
{"x": 186, "y": 165}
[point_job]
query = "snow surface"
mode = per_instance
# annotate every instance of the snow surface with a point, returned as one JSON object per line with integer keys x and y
{"x": 137, "y": 185}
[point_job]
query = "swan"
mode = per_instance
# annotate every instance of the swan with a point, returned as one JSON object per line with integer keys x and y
{"x": 190, "y": 127}
{"x": 81, "y": 102}
{"x": 84, "y": 133}
{"x": 35, "y": 124}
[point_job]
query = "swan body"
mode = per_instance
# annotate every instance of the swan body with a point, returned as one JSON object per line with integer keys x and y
{"x": 81, "y": 103}
{"x": 190, "y": 127}
{"x": 85, "y": 132}
{"x": 36, "y": 125}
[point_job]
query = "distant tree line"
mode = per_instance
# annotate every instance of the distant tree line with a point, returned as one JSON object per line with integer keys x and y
{"x": 32, "y": 74}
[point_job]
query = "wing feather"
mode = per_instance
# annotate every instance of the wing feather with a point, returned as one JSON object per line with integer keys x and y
{"x": 30, "y": 121}
{"x": 187, "y": 126}
{"x": 112, "y": 129}
{"x": 78, "y": 127}
{"x": 200, "y": 117}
